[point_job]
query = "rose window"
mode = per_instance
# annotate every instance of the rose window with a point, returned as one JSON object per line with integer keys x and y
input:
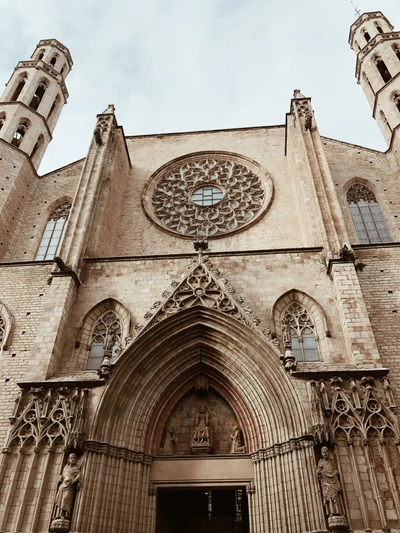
{"x": 207, "y": 196}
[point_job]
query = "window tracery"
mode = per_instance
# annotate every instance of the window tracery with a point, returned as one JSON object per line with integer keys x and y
{"x": 106, "y": 336}
{"x": 207, "y": 196}
{"x": 367, "y": 216}
{"x": 302, "y": 332}
{"x": 2, "y": 331}
{"x": 53, "y": 232}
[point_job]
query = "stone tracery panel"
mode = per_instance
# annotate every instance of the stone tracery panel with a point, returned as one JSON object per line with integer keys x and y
{"x": 209, "y": 194}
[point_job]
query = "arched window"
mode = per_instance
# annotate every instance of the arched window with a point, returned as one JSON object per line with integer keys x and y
{"x": 367, "y": 216}
{"x": 53, "y": 232}
{"x": 63, "y": 69}
{"x": 396, "y": 100}
{"x": 383, "y": 71}
{"x": 378, "y": 27}
{"x": 40, "y": 55}
{"x": 53, "y": 60}
{"x": 365, "y": 78}
{"x": 2, "y": 119}
{"x": 367, "y": 36}
{"x": 106, "y": 335}
{"x": 396, "y": 49}
{"x": 2, "y": 331}
{"x": 19, "y": 87}
{"x": 54, "y": 105}
{"x": 301, "y": 328}
{"x": 37, "y": 97}
{"x": 19, "y": 134}
{"x": 385, "y": 120}
{"x": 38, "y": 144}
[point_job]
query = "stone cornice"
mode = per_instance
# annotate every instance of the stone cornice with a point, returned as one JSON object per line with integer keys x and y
{"x": 283, "y": 448}
{"x": 369, "y": 15}
{"x": 47, "y": 69}
{"x": 31, "y": 111}
{"x": 117, "y": 452}
{"x": 370, "y": 46}
{"x": 59, "y": 46}
{"x": 377, "y": 94}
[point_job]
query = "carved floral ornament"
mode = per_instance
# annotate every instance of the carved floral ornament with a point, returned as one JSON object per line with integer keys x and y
{"x": 208, "y": 194}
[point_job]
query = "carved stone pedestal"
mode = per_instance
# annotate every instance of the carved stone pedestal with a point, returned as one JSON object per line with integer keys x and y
{"x": 59, "y": 525}
{"x": 201, "y": 448}
{"x": 338, "y": 522}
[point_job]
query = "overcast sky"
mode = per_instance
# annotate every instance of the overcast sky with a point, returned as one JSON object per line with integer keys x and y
{"x": 184, "y": 65}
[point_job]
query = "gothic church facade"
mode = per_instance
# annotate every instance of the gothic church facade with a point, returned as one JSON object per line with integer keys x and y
{"x": 200, "y": 331}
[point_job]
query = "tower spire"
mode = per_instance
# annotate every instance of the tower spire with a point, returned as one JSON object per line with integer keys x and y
{"x": 378, "y": 69}
{"x": 33, "y": 99}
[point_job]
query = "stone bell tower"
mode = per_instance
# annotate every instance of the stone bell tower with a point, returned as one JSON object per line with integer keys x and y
{"x": 33, "y": 99}
{"x": 378, "y": 69}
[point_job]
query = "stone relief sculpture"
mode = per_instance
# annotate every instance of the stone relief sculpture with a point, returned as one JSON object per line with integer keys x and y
{"x": 202, "y": 438}
{"x": 236, "y": 445}
{"x": 331, "y": 492}
{"x": 168, "y": 448}
{"x": 64, "y": 500}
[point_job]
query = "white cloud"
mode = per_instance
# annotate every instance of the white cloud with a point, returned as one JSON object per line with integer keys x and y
{"x": 187, "y": 65}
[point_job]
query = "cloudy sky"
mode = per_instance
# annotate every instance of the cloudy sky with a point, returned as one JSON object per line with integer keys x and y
{"x": 184, "y": 65}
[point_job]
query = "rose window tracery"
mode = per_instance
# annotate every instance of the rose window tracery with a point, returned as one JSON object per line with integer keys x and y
{"x": 208, "y": 196}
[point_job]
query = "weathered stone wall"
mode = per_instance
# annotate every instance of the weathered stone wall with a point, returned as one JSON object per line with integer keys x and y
{"x": 24, "y": 290}
{"x": 47, "y": 192}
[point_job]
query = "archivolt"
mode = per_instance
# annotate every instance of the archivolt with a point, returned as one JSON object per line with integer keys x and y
{"x": 158, "y": 369}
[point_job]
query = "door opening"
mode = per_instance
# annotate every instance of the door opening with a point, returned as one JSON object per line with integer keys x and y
{"x": 202, "y": 510}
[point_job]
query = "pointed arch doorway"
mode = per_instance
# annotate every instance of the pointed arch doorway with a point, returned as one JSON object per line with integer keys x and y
{"x": 202, "y": 510}
{"x": 124, "y": 470}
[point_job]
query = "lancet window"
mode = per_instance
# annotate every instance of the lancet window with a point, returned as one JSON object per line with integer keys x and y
{"x": 53, "y": 60}
{"x": 378, "y": 27}
{"x": 106, "y": 335}
{"x": 382, "y": 68}
{"x": 365, "y": 78}
{"x": 2, "y": 119}
{"x": 37, "y": 97}
{"x": 54, "y": 105}
{"x": 385, "y": 120}
{"x": 396, "y": 49}
{"x": 20, "y": 133}
{"x": 367, "y": 216}
{"x": 38, "y": 144}
{"x": 2, "y": 330}
{"x": 53, "y": 232}
{"x": 19, "y": 87}
{"x": 396, "y": 100}
{"x": 300, "y": 326}
{"x": 367, "y": 36}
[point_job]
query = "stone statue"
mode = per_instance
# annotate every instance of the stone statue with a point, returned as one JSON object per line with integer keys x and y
{"x": 168, "y": 448}
{"x": 202, "y": 438}
{"x": 66, "y": 491}
{"x": 236, "y": 445}
{"x": 330, "y": 485}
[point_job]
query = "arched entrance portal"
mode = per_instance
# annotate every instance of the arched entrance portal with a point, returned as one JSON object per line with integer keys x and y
{"x": 125, "y": 468}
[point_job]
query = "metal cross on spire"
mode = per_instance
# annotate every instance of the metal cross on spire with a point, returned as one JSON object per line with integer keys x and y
{"x": 357, "y": 11}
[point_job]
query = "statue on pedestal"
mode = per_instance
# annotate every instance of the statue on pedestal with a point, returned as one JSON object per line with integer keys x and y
{"x": 65, "y": 496}
{"x": 331, "y": 492}
{"x": 202, "y": 439}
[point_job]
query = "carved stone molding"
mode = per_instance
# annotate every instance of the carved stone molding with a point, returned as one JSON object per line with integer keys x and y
{"x": 283, "y": 448}
{"x": 44, "y": 416}
{"x": 361, "y": 405}
{"x": 201, "y": 286}
{"x": 103, "y": 448}
{"x": 49, "y": 70}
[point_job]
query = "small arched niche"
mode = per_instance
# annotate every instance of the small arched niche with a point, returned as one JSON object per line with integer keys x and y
{"x": 202, "y": 423}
